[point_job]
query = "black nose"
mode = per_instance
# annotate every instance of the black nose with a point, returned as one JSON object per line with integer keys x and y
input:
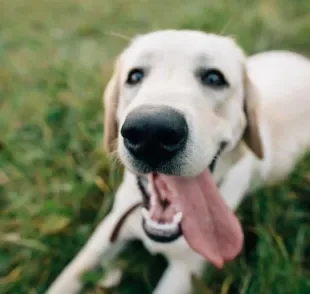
{"x": 154, "y": 134}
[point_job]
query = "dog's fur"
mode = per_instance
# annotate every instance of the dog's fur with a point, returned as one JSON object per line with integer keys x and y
{"x": 264, "y": 115}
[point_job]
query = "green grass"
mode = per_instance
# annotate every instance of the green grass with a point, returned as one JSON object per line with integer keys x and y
{"x": 56, "y": 183}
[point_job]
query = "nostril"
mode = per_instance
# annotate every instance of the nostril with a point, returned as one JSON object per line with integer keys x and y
{"x": 170, "y": 138}
{"x": 173, "y": 138}
{"x": 132, "y": 135}
{"x": 133, "y": 138}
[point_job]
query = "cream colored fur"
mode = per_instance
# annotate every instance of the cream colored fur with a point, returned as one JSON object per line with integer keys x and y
{"x": 264, "y": 115}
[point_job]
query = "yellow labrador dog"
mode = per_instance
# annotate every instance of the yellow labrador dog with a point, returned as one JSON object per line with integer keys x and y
{"x": 198, "y": 126}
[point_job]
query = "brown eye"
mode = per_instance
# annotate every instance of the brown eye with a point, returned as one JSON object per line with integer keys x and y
{"x": 213, "y": 78}
{"x": 135, "y": 76}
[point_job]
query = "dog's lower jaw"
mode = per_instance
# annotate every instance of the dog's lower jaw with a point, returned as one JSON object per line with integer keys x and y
{"x": 161, "y": 237}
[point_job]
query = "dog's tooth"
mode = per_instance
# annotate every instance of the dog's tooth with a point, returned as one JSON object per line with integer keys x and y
{"x": 177, "y": 217}
{"x": 167, "y": 227}
{"x": 161, "y": 227}
{"x": 149, "y": 223}
{"x": 152, "y": 223}
{"x": 171, "y": 227}
{"x": 157, "y": 226}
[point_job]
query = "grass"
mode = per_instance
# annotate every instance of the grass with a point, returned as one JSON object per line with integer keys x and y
{"x": 56, "y": 183}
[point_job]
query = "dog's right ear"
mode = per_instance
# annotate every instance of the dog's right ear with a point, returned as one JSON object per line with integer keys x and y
{"x": 111, "y": 100}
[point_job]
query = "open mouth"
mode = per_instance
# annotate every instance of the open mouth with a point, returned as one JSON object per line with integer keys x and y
{"x": 177, "y": 206}
{"x": 162, "y": 215}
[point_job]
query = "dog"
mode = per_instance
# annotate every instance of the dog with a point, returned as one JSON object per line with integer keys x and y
{"x": 198, "y": 126}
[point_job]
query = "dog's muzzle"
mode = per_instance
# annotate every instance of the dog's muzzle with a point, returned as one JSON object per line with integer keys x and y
{"x": 154, "y": 134}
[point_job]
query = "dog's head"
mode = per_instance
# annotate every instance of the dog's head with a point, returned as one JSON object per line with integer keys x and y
{"x": 176, "y": 100}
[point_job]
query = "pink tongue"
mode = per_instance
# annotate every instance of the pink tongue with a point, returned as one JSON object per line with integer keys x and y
{"x": 208, "y": 224}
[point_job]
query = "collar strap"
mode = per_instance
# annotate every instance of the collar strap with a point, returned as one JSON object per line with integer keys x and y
{"x": 120, "y": 223}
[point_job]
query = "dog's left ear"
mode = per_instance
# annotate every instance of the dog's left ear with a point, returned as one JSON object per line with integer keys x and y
{"x": 252, "y": 136}
{"x": 111, "y": 100}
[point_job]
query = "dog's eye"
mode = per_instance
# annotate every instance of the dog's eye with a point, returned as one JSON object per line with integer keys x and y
{"x": 135, "y": 76}
{"x": 213, "y": 78}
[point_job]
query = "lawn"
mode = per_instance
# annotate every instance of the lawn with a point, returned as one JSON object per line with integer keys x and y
{"x": 56, "y": 183}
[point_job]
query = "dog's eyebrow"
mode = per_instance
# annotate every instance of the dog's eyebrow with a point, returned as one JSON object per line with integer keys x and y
{"x": 202, "y": 58}
{"x": 145, "y": 57}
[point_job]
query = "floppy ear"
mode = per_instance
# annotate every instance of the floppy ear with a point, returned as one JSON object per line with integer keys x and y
{"x": 251, "y": 135}
{"x": 111, "y": 99}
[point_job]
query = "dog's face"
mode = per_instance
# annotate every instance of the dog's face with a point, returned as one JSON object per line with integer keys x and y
{"x": 176, "y": 102}
{"x": 176, "y": 99}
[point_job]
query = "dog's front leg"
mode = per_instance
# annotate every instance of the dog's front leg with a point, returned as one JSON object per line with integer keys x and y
{"x": 177, "y": 277}
{"x": 68, "y": 282}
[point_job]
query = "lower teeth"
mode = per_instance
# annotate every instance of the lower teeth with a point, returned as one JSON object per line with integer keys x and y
{"x": 160, "y": 231}
{"x": 167, "y": 227}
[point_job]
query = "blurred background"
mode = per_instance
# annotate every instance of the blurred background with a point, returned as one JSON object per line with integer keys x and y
{"x": 56, "y": 183}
